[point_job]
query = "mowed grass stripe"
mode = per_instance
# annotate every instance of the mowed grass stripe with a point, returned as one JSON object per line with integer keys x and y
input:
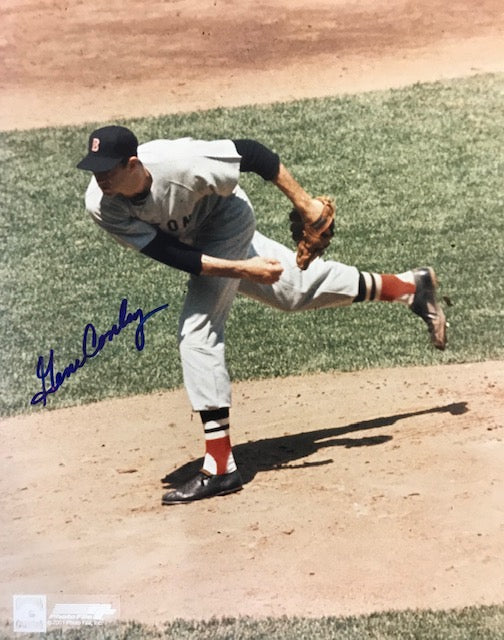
{"x": 417, "y": 175}
{"x": 470, "y": 623}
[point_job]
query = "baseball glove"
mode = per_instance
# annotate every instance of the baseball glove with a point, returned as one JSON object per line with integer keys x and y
{"x": 312, "y": 239}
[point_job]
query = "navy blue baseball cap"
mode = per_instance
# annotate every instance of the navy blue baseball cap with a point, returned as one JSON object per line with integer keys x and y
{"x": 107, "y": 147}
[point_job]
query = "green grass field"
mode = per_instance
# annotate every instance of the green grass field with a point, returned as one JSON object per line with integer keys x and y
{"x": 417, "y": 174}
{"x": 471, "y": 623}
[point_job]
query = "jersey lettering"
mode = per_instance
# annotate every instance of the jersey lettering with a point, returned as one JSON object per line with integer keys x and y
{"x": 172, "y": 225}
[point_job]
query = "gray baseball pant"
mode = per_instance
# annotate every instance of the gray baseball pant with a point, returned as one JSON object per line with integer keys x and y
{"x": 230, "y": 233}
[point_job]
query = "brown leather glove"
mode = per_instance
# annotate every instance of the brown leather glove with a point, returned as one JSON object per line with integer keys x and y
{"x": 312, "y": 239}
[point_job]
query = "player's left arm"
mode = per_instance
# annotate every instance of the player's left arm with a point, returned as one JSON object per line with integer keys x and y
{"x": 259, "y": 159}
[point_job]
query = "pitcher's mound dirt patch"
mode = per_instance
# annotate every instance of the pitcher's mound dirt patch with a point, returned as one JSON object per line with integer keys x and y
{"x": 364, "y": 491}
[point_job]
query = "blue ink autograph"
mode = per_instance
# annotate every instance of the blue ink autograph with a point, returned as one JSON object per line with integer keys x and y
{"x": 92, "y": 344}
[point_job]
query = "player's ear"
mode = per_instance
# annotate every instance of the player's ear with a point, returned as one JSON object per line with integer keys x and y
{"x": 133, "y": 163}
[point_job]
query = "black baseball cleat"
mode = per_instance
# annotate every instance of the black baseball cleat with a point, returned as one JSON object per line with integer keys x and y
{"x": 426, "y": 306}
{"x": 204, "y": 485}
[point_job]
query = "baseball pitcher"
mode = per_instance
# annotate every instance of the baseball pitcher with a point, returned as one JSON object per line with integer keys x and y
{"x": 179, "y": 202}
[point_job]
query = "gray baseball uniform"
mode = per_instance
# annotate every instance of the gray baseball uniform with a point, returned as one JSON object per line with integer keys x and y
{"x": 195, "y": 197}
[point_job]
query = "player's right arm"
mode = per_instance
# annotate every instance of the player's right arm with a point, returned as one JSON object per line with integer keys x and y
{"x": 168, "y": 250}
{"x": 257, "y": 269}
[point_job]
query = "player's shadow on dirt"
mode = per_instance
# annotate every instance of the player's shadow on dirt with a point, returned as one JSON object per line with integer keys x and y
{"x": 278, "y": 453}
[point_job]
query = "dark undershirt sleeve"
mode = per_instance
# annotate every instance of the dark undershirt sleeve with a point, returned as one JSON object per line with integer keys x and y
{"x": 170, "y": 251}
{"x": 257, "y": 158}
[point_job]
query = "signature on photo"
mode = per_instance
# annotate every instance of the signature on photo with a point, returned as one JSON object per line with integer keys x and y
{"x": 92, "y": 344}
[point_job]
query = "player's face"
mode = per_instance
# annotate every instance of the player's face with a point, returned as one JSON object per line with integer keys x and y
{"x": 115, "y": 181}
